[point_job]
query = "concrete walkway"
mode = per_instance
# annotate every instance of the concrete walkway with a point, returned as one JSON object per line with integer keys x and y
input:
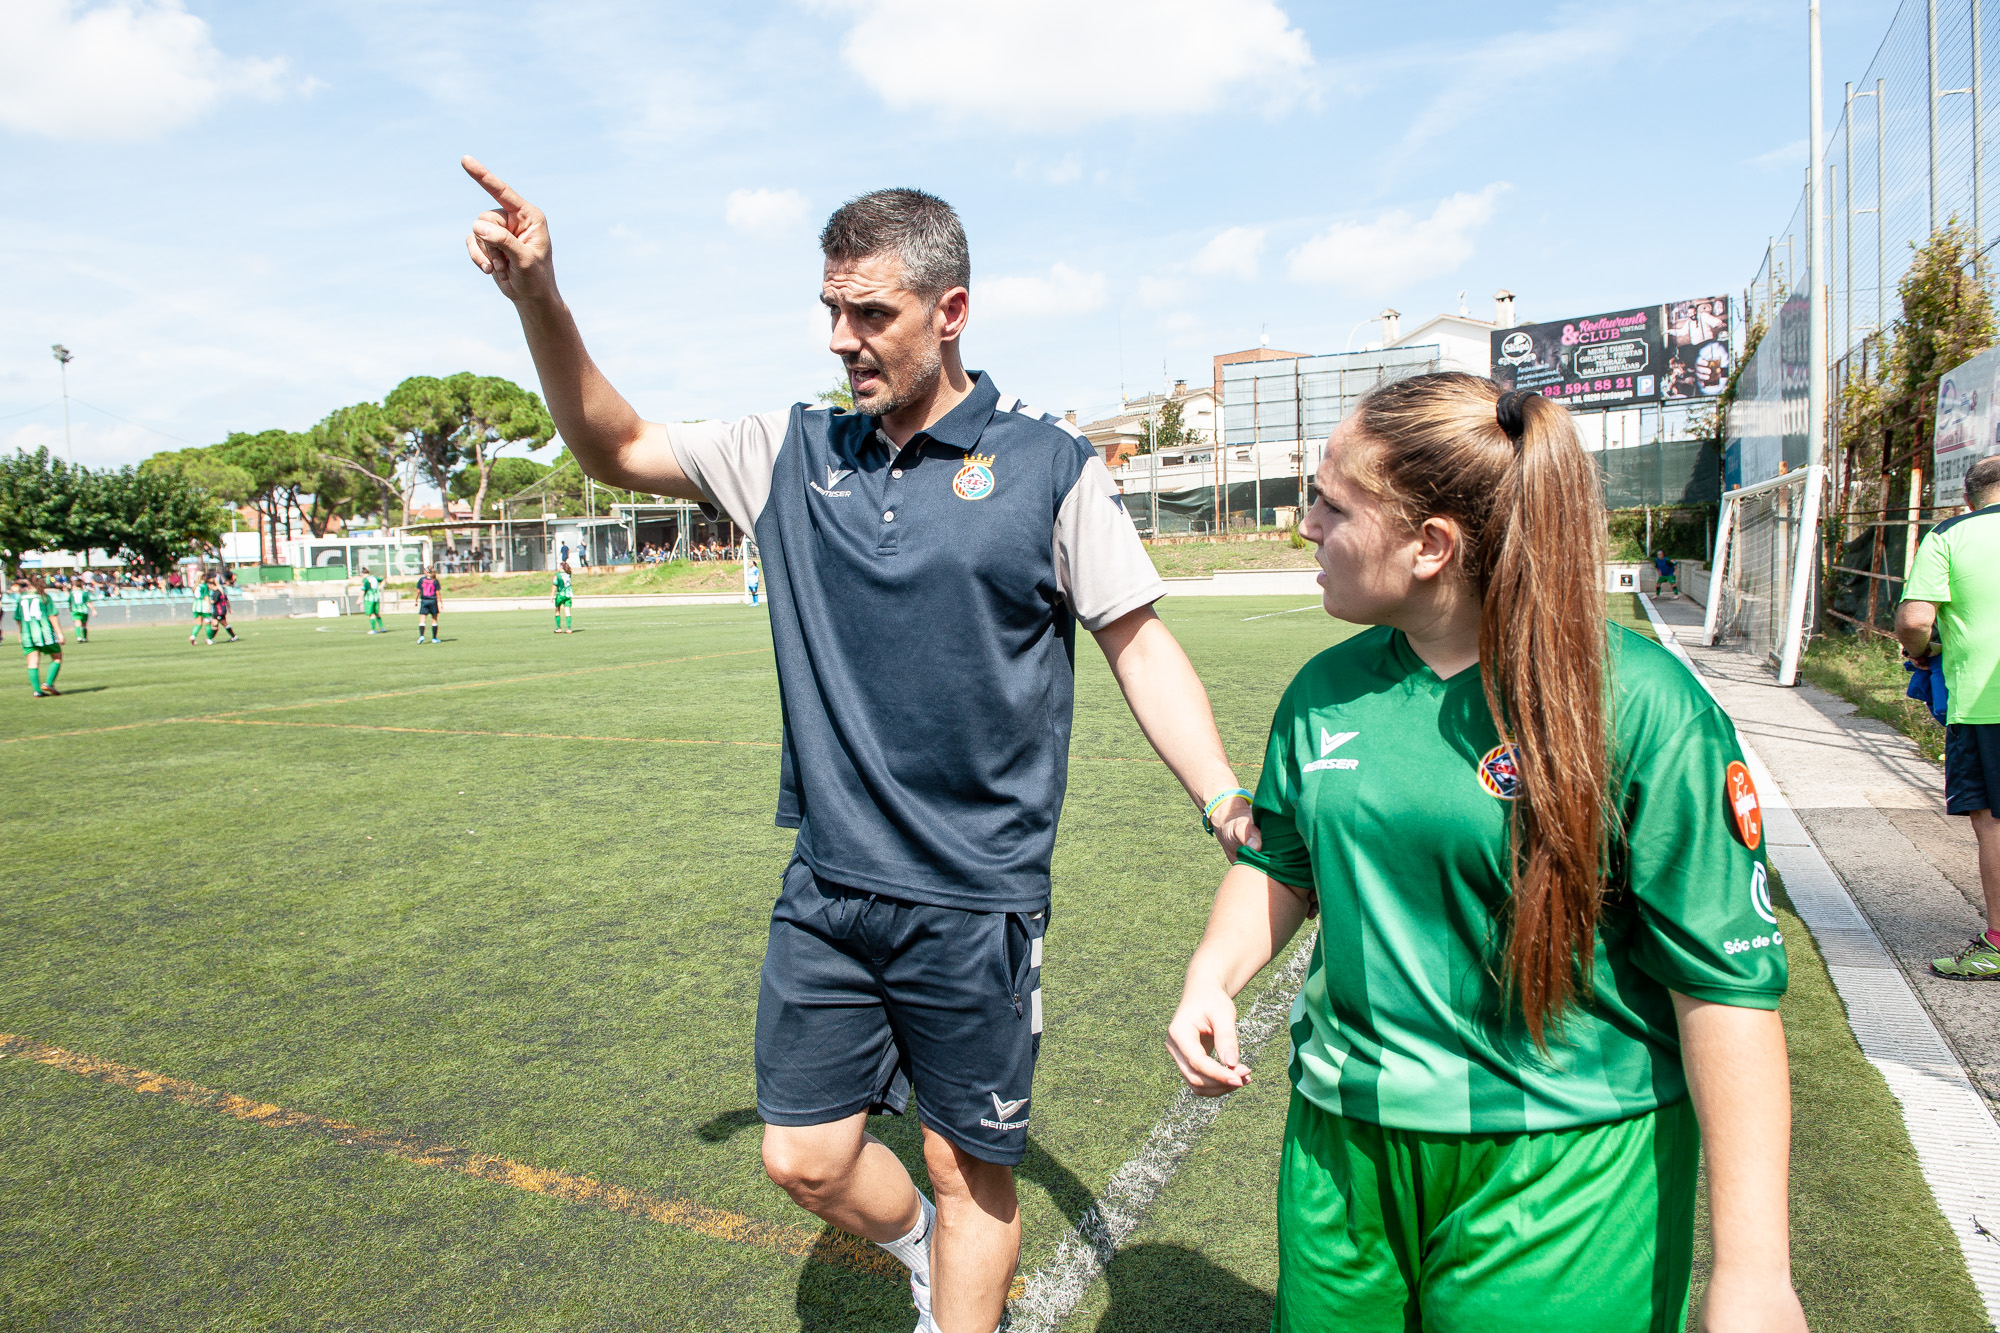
{"x": 1875, "y": 807}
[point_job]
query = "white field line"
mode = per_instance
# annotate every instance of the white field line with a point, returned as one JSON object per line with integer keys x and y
{"x": 1054, "y": 1290}
{"x": 1294, "y": 611}
{"x": 1949, "y": 1122}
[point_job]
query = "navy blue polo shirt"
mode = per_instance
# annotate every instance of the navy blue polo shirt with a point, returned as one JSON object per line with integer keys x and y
{"x": 923, "y": 604}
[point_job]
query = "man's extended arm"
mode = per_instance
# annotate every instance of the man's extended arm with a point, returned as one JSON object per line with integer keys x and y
{"x": 1172, "y": 709}
{"x": 1914, "y": 620}
{"x": 610, "y": 441}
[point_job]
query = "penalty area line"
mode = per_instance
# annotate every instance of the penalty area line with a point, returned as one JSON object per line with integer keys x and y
{"x": 832, "y": 1247}
{"x": 1114, "y": 1217}
{"x": 1294, "y": 611}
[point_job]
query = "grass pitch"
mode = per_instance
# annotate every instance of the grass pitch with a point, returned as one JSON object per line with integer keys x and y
{"x": 506, "y": 898}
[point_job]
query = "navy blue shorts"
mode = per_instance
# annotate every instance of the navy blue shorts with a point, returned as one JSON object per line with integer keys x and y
{"x": 427, "y": 606}
{"x": 1971, "y": 766}
{"x": 866, "y": 999}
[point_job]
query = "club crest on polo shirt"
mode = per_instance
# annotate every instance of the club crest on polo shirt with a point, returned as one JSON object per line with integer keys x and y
{"x": 1745, "y": 814}
{"x": 1500, "y": 772}
{"x": 975, "y": 480}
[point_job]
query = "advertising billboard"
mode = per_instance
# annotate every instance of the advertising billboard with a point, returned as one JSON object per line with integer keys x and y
{"x": 1967, "y": 427}
{"x": 1675, "y": 352}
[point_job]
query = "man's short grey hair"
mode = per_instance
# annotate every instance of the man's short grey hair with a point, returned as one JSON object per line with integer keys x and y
{"x": 1982, "y": 483}
{"x": 919, "y": 229}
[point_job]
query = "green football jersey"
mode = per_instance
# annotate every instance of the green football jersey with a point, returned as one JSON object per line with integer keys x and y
{"x": 79, "y": 601}
{"x": 1387, "y": 792}
{"x": 562, "y": 586}
{"x": 371, "y": 586}
{"x": 35, "y": 614}
{"x": 1958, "y": 568}
{"x": 204, "y": 599}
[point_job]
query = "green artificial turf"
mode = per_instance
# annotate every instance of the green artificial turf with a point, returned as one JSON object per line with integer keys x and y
{"x": 509, "y": 893}
{"x": 317, "y": 890}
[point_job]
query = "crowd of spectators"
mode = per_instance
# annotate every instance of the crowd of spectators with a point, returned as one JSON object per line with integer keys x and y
{"x": 129, "y": 580}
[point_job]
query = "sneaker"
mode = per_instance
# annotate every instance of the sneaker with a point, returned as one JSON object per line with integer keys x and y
{"x": 1977, "y": 961}
{"x": 920, "y": 1284}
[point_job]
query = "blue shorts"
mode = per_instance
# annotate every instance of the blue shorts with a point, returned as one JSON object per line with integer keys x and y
{"x": 866, "y": 999}
{"x": 1971, "y": 766}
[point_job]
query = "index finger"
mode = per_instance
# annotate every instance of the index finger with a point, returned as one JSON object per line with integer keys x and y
{"x": 502, "y": 192}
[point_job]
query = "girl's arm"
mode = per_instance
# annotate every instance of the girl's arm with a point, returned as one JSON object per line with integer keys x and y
{"x": 1253, "y": 917}
{"x": 1741, "y": 1085}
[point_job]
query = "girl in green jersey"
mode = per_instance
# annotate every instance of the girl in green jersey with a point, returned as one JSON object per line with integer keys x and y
{"x": 1548, "y": 967}
{"x": 35, "y": 615}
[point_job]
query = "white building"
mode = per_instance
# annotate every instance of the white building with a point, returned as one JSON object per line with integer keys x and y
{"x": 1123, "y": 434}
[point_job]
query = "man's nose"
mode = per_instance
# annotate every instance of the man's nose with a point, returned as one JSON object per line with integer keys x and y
{"x": 842, "y": 340}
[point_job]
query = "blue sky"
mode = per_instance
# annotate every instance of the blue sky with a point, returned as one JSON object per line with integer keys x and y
{"x": 243, "y": 215}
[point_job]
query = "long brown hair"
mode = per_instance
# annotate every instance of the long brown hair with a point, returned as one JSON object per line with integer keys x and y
{"x": 1532, "y": 538}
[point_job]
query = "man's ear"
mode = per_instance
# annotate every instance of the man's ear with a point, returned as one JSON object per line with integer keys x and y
{"x": 953, "y": 309}
{"x": 1437, "y": 547}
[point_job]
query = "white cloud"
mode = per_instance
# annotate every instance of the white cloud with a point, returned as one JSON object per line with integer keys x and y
{"x": 1792, "y": 154}
{"x": 1377, "y": 256}
{"x": 131, "y": 69}
{"x": 766, "y": 212}
{"x": 1065, "y": 291}
{"x": 1234, "y": 250}
{"x": 1055, "y": 63}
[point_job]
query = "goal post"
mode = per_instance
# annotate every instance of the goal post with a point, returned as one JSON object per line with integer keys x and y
{"x": 1762, "y": 580}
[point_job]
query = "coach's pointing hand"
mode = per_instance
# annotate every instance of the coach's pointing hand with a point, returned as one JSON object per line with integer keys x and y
{"x": 510, "y": 243}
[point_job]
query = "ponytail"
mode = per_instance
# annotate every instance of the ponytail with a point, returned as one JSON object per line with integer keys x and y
{"x": 1509, "y": 470}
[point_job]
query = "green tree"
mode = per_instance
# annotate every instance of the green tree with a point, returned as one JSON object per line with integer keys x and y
{"x": 510, "y": 476}
{"x": 159, "y": 514}
{"x": 429, "y": 414}
{"x": 279, "y": 465}
{"x": 1167, "y": 428}
{"x": 840, "y": 395}
{"x": 36, "y": 496}
{"x": 496, "y": 414}
{"x": 364, "y": 442}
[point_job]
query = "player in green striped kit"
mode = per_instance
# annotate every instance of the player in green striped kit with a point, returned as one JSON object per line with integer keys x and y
{"x": 371, "y": 599}
{"x": 1548, "y": 965}
{"x": 563, "y": 600}
{"x": 35, "y": 618}
{"x": 204, "y": 609}
{"x": 80, "y": 598}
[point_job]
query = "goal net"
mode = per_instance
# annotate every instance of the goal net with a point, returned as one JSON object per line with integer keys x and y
{"x": 1762, "y": 581}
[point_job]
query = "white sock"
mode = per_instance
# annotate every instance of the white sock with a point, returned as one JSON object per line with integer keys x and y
{"x": 914, "y": 1250}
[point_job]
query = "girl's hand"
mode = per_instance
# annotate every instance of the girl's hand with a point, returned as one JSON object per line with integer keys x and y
{"x": 1751, "y": 1304}
{"x": 1202, "y": 1040}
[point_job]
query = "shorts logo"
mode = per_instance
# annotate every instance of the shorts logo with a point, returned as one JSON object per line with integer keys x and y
{"x": 1744, "y": 811}
{"x": 975, "y": 480}
{"x": 1500, "y": 772}
{"x": 1001, "y": 1111}
{"x": 1760, "y": 893}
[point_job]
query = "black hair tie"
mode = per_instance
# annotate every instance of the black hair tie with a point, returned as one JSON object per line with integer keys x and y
{"x": 1508, "y": 412}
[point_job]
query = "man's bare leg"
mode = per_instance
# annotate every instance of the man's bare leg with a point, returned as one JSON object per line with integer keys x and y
{"x": 1986, "y": 832}
{"x": 840, "y": 1173}
{"x": 976, "y": 1244}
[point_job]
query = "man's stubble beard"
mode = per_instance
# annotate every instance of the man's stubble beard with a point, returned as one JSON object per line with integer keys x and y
{"x": 895, "y": 395}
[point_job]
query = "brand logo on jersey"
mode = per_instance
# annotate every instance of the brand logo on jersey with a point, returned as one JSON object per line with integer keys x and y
{"x": 1002, "y": 1110}
{"x": 975, "y": 480}
{"x": 1329, "y": 741}
{"x": 1500, "y": 771}
{"x": 833, "y": 479}
{"x": 1744, "y": 811}
{"x": 1760, "y": 893}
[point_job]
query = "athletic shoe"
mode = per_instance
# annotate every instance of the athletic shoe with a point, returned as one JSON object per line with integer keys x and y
{"x": 920, "y": 1285}
{"x": 52, "y": 691}
{"x": 1977, "y": 961}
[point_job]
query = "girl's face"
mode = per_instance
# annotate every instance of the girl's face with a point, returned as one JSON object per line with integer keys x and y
{"x": 1373, "y": 569}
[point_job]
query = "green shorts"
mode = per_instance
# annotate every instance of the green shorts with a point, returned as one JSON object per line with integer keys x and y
{"x": 49, "y": 646}
{"x": 561, "y": 602}
{"x": 1587, "y": 1230}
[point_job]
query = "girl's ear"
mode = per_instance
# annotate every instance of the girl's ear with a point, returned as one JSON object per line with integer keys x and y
{"x": 1437, "y": 547}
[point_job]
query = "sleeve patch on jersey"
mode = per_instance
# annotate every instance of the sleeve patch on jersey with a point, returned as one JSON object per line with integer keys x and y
{"x": 1745, "y": 815}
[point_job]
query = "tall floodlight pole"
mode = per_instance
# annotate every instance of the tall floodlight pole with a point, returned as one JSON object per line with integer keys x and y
{"x": 1978, "y": 125}
{"x": 1808, "y": 530}
{"x": 1881, "y": 208}
{"x": 63, "y": 357}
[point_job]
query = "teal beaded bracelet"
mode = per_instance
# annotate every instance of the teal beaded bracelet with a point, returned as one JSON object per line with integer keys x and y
{"x": 1208, "y": 811}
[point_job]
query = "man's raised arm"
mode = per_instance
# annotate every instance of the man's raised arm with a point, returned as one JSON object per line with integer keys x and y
{"x": 610, "y": 441}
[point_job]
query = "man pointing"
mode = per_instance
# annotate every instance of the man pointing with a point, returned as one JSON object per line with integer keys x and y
{"x": 927, "y": 557}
